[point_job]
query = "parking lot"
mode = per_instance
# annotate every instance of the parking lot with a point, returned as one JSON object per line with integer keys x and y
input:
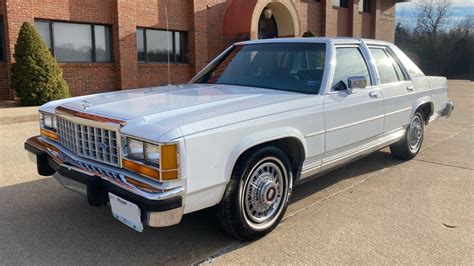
{"x": 376, "y": 210}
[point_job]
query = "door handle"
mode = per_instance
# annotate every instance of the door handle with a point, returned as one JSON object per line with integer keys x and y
{"x": 410, "y": 88}
{"x": 373, "y": 94}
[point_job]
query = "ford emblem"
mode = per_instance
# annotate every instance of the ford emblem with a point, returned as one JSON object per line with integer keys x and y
{"x": 102, "y": 146}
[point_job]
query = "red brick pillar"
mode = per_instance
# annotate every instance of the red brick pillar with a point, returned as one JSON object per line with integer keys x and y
{"x": 355, "y": 18}
{"x": 329, "y": 20}
{"x": 15, "y": 13}
{"x": 125, "y": 55}
{"x": 383, "y": 20}
{"x": 200, "y": 34}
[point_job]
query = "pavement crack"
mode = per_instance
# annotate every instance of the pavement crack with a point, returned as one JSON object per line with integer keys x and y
{"x": 333, "y": 195}
{"x": 446, "y": 139}
{"x": 443, "y": 164}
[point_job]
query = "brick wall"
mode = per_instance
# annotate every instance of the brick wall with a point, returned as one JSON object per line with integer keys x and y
{"x": 89, "y": 78}
{"x": 4, "y": 79}
{"x": 202, "y": 19}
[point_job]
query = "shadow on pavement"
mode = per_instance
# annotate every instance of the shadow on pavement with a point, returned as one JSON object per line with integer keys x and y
{"x": 42, "y": 223}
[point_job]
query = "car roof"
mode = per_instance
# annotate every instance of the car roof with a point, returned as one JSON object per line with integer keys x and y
{"x": 329, "y": 40}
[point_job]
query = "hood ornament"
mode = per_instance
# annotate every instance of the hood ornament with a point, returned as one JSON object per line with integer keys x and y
{"x": 85, "y": 105}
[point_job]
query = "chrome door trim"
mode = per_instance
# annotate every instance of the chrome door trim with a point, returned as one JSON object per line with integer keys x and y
{"x": 338, "y": 159}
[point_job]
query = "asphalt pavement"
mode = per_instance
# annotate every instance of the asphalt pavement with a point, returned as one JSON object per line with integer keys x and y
{"x": 377, "y": 210}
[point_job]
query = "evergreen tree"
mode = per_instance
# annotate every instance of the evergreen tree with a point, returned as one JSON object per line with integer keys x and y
{"x": 36, "y": 76}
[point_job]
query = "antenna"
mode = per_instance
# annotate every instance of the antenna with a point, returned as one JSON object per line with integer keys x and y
{"x": 168, "y": 44}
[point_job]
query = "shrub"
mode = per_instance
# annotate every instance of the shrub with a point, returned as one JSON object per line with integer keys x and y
{"x": 308, "y": 34}
{"x": 36, "y": 76}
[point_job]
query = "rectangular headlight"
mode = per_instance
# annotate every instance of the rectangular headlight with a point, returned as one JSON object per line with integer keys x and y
{"x": 152, "y": 153}
{"x": 135, "y": 149}
{"x": 48, "y": 121}
{"x": 158, "y": 161}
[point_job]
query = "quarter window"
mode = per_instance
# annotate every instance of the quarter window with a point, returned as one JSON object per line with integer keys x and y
{"x": 161, "y": 45}
{"x": 2, "y": 41}
{"x": 77, "y": 42}
{"x": 388, "y": 69}
{"x": 349, "y": 63}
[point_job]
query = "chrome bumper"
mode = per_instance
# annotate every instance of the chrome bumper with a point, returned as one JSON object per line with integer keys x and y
{"x": 448, "y": 109}
{"x": 161, "y": 203}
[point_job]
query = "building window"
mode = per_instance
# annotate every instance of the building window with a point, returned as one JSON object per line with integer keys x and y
{"x": 340, "y": 3}
{"x": 364, "y": 6}
{"x": 161, "y": 45}
{"x": 2, "y": 41}
{"x": 77, "y": 42}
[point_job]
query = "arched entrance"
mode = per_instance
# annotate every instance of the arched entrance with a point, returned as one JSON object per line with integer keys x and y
{"x": 274, "y": 18}
{"x": 245, "y": 19}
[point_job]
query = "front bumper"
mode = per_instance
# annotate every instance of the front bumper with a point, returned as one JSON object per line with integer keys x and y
{"x": 160, "y": 204}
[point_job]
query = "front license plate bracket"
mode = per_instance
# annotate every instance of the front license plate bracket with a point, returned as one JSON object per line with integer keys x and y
{"x": 126, "y": 212}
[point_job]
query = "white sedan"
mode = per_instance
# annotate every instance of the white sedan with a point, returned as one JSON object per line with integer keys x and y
{"x": 259, "y": 119}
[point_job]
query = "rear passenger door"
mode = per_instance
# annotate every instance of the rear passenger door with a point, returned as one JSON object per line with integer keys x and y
{"x": 351, "y": 119}
{"x": 397, "y": 89}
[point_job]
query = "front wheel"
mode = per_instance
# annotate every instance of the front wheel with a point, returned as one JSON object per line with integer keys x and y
{"x": 409, "y": 146}
{"x": 257, "y": 195}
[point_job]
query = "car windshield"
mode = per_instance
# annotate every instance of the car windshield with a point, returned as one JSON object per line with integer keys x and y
{"x": 295, "y": 67}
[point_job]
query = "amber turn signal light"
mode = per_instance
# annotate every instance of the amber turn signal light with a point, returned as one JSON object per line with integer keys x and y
{"x": 141, "y": 168}
{"x": 49, "y": 134}
{"x": 169, "y": 161}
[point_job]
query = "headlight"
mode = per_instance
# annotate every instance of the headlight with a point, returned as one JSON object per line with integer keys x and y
{"x": 48, "y": 121}
{"x": 158, "y": 161}
{"x": 135, "y": 148}
{"x": 152, "y": 153}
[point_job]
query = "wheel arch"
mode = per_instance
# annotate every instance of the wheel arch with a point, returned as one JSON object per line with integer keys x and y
{"x": 290, "y": 140}
{"x": 425, "y": 106}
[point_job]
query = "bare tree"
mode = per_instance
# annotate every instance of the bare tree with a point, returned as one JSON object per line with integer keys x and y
{"x": 466, "y": 26}
{"x": 432, "y": 16}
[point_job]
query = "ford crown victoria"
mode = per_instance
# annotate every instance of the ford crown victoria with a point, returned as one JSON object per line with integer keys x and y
{"x": 259, "y": 119}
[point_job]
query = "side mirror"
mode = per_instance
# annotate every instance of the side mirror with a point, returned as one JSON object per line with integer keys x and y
{"x": 356, "y": 82}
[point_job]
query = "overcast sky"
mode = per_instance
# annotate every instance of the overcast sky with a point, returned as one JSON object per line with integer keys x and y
{"x": 459, "y": 10}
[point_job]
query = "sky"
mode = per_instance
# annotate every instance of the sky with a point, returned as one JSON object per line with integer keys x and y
{"x": 459, "y": 10}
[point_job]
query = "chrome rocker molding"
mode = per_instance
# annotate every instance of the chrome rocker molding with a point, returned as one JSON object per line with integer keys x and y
{"x": 335, "y": 161}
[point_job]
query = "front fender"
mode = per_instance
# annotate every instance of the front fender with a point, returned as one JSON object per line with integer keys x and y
{"x": 260, "y": 138}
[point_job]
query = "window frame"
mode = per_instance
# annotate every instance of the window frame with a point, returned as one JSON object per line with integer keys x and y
{"x": 173, "y": 56}
{"x": 396, "y": 60}
{"x": 2, "y": 41}
{"x": 346, "y": 4}
{"x": 92, "y": 26}
{"x": 365, "y": 6}
{"x": 365, "y": 57}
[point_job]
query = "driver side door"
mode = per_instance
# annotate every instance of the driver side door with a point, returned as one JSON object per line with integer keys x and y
{"x": 352, "y": 118}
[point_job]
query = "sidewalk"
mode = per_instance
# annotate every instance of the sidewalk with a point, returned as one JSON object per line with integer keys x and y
{"x": 12, "y": 115}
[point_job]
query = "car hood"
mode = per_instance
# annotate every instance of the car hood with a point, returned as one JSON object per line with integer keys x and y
{"x": 182, "y": 109}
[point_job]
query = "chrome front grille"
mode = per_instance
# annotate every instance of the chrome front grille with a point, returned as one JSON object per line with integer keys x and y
{"x": 95, "y": 143}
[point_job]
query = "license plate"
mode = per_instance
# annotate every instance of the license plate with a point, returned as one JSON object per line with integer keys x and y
{"x": 126, "y": 212}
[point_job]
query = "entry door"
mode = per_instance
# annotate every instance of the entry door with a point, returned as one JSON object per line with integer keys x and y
{"x": 397, "y": 89}
{"x": 351, "y": 119}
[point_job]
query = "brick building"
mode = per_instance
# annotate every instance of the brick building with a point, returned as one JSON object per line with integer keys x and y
{"x": 110, "y": 45}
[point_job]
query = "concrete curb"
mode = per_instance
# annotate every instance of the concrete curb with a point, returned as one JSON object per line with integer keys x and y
{"x": 18, "y": 115}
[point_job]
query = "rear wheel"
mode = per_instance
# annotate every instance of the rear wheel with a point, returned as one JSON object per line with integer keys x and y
{"x": 409, "y": 146}
{"x": 257, "y": 195}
